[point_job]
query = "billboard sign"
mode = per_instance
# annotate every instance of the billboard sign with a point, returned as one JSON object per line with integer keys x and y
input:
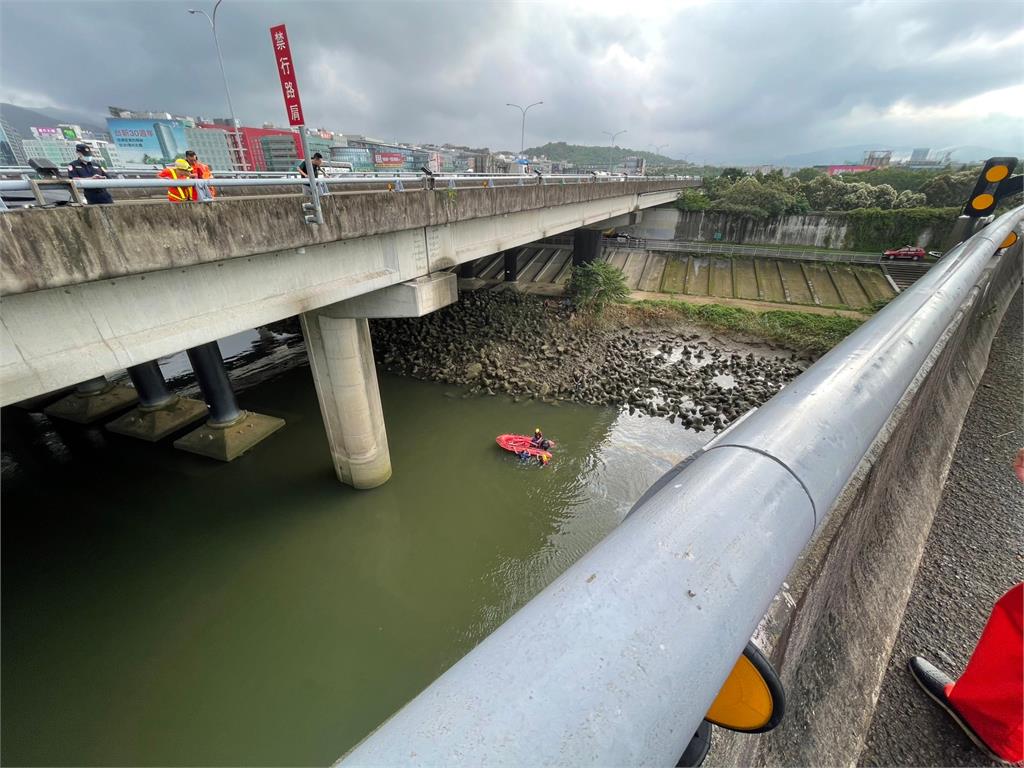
{"x": 286, "y": 72}
{"x": 388, "y": 159}
{"x": 835, "y": 169}
{"x": 148, "y": 142}
{"x": 46, "y": 132}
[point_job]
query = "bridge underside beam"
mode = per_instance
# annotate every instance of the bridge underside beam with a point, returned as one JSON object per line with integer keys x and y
{"x": 57, "y": 337}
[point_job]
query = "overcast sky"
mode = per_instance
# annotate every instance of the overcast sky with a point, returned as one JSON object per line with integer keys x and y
{"x": 742, "y": 81}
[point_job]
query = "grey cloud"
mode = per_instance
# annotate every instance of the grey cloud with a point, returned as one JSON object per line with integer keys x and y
{"x": 741, "y": 81}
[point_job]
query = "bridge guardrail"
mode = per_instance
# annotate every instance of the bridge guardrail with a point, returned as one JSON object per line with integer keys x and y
{"x": 393, "y": 183}
{"x": 617, "y": 661}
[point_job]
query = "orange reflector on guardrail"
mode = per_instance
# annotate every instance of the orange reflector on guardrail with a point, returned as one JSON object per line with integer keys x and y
{"x": 751, "y": 699}
{"x": 1010, "y": 240}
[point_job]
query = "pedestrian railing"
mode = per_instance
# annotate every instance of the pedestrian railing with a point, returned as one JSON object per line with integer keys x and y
{"x": 376, "y": 182}
{"x": 617, "y": 661}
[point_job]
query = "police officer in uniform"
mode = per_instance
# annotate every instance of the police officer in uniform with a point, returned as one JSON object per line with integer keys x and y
{"x": 85, "y": 167}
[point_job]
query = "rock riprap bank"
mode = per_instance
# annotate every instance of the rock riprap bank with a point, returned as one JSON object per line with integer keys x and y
{"x": 524, "y": 346}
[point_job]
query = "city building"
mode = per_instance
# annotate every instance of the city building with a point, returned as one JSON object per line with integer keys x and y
{"x": 281, "y": 153}
{"x": 251, "y": 142}
{"x": 57, "y": 151}
{"x": 212, "y": 146}
{"x": 11, "y": 150}
{"x": 878, "y": 158}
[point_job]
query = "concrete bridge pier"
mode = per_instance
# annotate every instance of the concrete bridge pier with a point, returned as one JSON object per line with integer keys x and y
{"x": 510, "y": 265}
{"x": 586, "y": 246}
{"x": 341, "y": 360}
{"x": 91, "y": 401}
{"x": 229, "y": 431}
{"x": 160, "y": 411}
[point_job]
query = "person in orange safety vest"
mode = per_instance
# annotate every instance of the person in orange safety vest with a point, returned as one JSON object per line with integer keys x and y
{"x": 200, "y": 170}
{"x": 179, "y": 169}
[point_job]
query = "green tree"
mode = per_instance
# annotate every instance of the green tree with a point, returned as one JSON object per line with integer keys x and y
{"x": 805, "y": 175}
{"x": 883, "y": 196}
{"x": 692, "y": 200}
{"x": 949, "y": 189}
{"x": 595, "y": 285}
{"x": 733, "y": 174}
{"x": 908, "y": 199}
{"x": 824, "y": 193}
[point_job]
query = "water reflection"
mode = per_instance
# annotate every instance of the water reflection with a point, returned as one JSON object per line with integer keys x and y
{"x": 159, "y": 608}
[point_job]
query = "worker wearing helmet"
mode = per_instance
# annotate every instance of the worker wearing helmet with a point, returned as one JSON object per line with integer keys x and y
{"x": 538, "y": 441}
{"x": 179, "y": 169}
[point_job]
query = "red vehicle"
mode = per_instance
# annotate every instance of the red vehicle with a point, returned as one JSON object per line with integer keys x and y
{"x": 906, "y": 252}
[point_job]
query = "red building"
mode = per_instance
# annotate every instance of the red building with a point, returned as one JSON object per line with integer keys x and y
{"x": 251, "y": 146}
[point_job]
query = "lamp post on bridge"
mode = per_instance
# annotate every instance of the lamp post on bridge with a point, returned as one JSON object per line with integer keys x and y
{"x": 522, "y": 131}
{"x": 611, "y": 147}
{"x": 658, "y": 148}
{"x": 227, "y": 91}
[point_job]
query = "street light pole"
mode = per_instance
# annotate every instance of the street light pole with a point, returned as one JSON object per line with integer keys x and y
{"x": 611, "y": 147}
{"x": 227, "y": 91}
{"x": 522, "y": 132}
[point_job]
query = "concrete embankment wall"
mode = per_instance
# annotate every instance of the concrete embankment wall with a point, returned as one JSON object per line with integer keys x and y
{"x": 830, "y": 633}
{"x": 820, "y": 230}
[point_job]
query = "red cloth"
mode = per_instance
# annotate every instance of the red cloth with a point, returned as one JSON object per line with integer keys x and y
{"x": 990, "y": 693}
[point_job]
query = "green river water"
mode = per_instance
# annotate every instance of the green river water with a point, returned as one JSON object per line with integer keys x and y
{"x": 160, "y": 608}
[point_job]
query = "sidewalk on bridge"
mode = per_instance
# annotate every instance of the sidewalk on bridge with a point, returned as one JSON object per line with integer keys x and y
{"x": 973, "y": 555}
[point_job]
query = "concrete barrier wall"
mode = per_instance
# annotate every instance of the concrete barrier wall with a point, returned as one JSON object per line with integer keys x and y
{"x": 47, "y": 248}
{"x": 830, "y": 633}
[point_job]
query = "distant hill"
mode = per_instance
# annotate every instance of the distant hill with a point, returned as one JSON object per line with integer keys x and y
{"x": 23, "y": 119}
{"x": 582, "y": 154}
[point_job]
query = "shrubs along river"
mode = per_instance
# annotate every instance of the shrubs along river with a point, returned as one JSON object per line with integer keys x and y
{"x": 651, "y": 362}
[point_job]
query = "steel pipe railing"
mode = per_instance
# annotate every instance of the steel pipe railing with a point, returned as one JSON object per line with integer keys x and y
{"x": 390, "y": 183}
{"x": 617, "y": 661}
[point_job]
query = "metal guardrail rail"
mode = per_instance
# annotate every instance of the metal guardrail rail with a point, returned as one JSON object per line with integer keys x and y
{"x": 396, "y": 182}
{"x": 617, "y": 661}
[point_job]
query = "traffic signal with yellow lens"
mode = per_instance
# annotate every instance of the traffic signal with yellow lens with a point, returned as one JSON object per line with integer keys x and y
{"x": 994, "y": 183}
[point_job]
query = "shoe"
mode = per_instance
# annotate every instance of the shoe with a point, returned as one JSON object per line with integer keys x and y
{"x": 935, "y": 683}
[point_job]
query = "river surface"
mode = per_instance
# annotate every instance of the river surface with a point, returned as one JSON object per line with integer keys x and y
{"x": 161, "y": 608}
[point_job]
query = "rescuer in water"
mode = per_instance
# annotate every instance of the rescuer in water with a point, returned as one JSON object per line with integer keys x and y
{"x": 538, "y": 441}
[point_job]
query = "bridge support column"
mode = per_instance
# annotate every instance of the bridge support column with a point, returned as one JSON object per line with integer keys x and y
{"x": 160, "y": 411}
{"x": 229, "y": 432}
{"x": 511, "y": 263}
{"x": 586, "y": 246}
{"x": 91, "y": 401}
{"x": 341, "y": 358}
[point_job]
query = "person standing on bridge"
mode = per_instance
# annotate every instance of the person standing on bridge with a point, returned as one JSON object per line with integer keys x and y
{"x": 318, "y": 160}
{"x": 179, "y": 169}
{"x": 85, "y": 167}
{"x": 987, "y": 700}
{"x": 200, "y": 171}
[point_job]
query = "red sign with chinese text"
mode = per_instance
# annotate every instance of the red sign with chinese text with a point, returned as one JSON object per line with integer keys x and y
{"x": 388, "y": 159}
{"x": 286, "y": 71}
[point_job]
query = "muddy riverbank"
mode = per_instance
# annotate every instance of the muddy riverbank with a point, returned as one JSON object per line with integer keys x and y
{"x": 529, "y": 347}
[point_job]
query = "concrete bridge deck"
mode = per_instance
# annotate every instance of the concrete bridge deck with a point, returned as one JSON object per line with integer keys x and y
{"x": 87, "y": 291}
